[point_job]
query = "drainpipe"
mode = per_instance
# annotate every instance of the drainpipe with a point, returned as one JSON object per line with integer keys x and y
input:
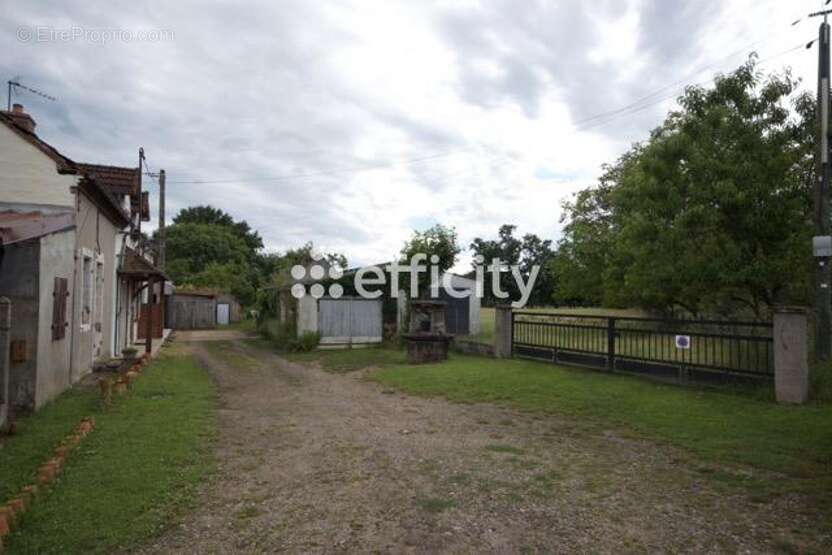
{"x": 119, "y": 308}
{"x": 72, "y": 326}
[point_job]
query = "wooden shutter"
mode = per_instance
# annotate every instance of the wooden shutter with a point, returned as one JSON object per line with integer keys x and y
{"x": 60, "y": 293}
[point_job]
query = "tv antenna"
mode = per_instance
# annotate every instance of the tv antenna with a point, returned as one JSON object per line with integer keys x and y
{"x": 14, "y": 85}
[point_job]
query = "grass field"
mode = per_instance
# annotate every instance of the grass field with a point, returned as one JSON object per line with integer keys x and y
{"x": 486, "y": 334}
{"x": 713, "y": 426}
{"x": 127, "y": 479}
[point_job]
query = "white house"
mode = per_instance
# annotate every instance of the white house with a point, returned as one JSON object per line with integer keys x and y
{"x": 67, "y": 231}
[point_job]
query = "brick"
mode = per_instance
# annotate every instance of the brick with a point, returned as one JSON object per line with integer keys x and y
{"x": 6, "y": 519}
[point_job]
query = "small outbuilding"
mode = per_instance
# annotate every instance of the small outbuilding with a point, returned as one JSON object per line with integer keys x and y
{"x": 200, "y": 309}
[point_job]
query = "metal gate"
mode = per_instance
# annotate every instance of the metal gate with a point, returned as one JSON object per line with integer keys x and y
{"x": 708, "y": 351}
{"x": 350, "y": 320}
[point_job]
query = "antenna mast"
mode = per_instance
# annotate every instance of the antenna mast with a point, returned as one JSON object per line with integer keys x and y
{"x": 14, "y": 85}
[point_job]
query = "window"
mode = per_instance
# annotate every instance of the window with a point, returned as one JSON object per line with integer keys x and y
{"x": 87, "y": 277}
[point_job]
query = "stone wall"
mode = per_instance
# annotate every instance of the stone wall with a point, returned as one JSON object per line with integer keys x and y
{"x": 467, "y": 347}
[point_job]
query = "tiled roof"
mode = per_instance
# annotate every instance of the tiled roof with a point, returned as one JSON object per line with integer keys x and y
{"x": 135, "y": 265}
{"x": 118, "y": 180}
{"x": 198, "y": 292}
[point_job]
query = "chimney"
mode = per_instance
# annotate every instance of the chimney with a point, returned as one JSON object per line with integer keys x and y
{"x": 21, "y": 118}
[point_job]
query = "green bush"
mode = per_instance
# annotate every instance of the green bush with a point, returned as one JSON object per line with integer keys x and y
{"x": 308, "y": 341}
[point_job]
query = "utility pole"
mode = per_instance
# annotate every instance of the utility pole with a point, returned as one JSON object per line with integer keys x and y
{"x": 822, "y": 243}
{"x": 161, "y": 220}
{"x": 141, "y": 171}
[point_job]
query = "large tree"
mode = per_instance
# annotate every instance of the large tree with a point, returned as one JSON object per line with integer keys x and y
{"x": 209, "y": 255}
{"x": 215, "y": 216}
{"x": 438, "y": 240}
{"x": 525, "y": 253}
{"x": 711, "y": 214}
{"x": 206, "y": 247}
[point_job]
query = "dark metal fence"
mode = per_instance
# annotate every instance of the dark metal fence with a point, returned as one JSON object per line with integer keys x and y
{"x": 709, "y": 351}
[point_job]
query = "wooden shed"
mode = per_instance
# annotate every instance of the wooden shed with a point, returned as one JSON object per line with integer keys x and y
{"x": 193, "y": 310}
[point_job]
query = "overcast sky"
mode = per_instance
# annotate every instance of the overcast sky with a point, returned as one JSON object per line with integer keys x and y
{"x": 352, "y": 123}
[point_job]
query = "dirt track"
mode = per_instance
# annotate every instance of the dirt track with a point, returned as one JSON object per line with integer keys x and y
{"x": 315, "y": 462}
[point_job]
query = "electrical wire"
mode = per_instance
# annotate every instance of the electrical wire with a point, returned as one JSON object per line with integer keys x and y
{"x": 592, "y": 122}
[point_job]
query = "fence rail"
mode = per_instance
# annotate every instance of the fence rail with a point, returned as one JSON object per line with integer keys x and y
{"x": 686, "y": 350}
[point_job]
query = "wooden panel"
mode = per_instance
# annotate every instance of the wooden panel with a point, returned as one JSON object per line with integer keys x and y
{"x": 156, "y": 310}
{"x": 193, "y": 313}
{"x": 350, "y": 319}
{"x": 60, "y": 293}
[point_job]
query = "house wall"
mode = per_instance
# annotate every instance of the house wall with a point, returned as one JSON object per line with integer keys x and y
{"x": 30, "y": 180}
{"x": 96, "y": 239}
{"x": 53, "y": 366}
{"x": 19, "y": 282}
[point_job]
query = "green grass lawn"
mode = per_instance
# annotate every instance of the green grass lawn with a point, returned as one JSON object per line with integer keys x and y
{"x": 248, "y": 325}
{"x": 127, "y": 480}
{"x": 714, "y": 426}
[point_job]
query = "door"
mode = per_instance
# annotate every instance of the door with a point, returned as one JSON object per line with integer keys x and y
{"x": 350, "y": 320}
{"x": 98, "y": 306}
{"x": 223, "y": 311}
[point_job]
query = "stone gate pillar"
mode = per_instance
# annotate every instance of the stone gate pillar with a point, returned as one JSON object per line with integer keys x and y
{"x": 502, "y": 331}
{"x": 791, "y": 367}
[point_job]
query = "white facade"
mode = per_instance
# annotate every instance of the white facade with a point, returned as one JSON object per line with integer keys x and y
{"x": 87, "y": 256}
{"x": 29, "y": 177}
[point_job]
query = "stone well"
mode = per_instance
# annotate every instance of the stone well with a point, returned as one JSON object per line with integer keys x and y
{"x": 426, "y": 339}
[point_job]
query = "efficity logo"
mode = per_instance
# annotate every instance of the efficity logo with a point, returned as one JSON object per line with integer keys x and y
{"x": 412, "y": 270}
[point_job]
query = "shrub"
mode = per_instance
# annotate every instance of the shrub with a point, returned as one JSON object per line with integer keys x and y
{"x": 308, "y": 341}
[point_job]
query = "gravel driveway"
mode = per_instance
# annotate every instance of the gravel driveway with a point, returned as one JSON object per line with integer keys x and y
{"x": 310, "y": 461}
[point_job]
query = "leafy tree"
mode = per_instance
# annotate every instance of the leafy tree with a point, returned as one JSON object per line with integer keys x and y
{"x": 214, "y": 216}
{"x": 191, "y": 247}
{"x": 438, "y": 240}
{"x": 207, "y": 248}
{"x": 281, "y": 265}
{"x": 524, "y": 253}
{"x": 711, "y": 214}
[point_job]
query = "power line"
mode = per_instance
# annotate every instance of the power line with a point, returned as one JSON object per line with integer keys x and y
{"x": 593, "y": 122}
{"x": 637, "y": 107}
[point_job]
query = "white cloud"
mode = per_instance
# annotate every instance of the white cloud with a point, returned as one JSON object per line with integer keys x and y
{"x": 389, "y": 115}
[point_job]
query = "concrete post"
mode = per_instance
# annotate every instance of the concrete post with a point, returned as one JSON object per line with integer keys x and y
{"x": 307, "y": 315}
{"x": 5, "y": 338}
{"x": 791, "y": 369}
{"x": 502, "y": 331}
